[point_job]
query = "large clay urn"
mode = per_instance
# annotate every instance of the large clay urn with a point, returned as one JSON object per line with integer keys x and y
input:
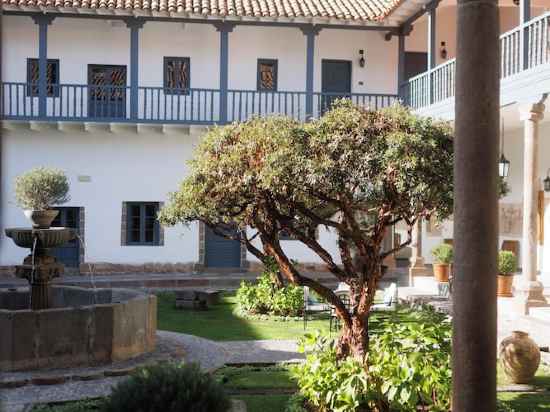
{"x": 520, "y": 357}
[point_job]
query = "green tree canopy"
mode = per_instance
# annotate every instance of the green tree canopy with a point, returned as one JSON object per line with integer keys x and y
{"x": 354, "y": 171}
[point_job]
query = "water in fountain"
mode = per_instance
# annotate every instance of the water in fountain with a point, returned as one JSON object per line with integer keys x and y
{"x": 90, "y": 267}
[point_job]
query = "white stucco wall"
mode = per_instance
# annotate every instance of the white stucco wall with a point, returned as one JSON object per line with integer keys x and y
{"x": 122, "y": 167}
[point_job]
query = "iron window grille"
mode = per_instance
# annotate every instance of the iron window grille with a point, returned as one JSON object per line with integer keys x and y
{"x": 177, "y": 75}
{"x": 52, "y": 77}
{"x": 267, "y": 75}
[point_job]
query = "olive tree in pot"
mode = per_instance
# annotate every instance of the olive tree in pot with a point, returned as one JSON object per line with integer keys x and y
{"x": 37, "y": 190}
{"x": 443, "y": 256}
{"x": 507, "y": 266}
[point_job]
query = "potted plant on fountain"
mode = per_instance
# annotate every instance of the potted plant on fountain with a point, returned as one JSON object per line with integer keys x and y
{"x": 37, "y": 190}
{"x": 507, "y": 266}
{"x": 443, "y": 256}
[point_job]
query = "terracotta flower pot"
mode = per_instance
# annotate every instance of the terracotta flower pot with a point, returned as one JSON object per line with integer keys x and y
{"x": 504, "y": 285}
{"x": 41, "y": 219}
{"x": 441, "y": 272}
{"x": 520, "y": 357}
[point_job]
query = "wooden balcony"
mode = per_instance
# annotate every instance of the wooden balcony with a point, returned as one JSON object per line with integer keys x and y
{"x": 524, "y": 48}
{"x": 158, "y": 105}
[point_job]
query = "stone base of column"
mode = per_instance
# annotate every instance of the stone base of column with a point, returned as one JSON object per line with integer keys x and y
{"x": 390, "y": 262}
{"x": 417, "y": 268}
{"x": 529, "y": 295}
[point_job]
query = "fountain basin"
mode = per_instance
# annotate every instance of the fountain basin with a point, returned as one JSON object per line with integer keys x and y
{"x": 78, "y": 330}
{"x": 48, "y": 238}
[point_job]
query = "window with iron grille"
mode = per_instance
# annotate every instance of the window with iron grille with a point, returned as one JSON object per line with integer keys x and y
{"x": 142, "y": 226}
{"x": 267, "y": 75}
{"x": 177, "y": 75}
{"x": 52, "y": 77}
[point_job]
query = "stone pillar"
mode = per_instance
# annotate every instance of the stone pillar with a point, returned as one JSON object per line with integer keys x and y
{"x": 417, "y": 267}
{"x": 476, "y": 206}
{"x": 530, "y": 291}
{"x": 389, "y": 261}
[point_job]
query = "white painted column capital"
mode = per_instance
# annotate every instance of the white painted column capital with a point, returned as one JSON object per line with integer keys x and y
{"x": 532, "y": 112}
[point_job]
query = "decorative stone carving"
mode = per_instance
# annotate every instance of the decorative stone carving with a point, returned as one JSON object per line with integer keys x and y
{"x": 511, "y": 218}
{"x": 520, "y": 357}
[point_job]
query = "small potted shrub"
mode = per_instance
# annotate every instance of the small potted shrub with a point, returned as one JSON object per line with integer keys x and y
{"x": 443, "y": 256}
{"x": 37, "y": 190}
{"x": 507, "y": 265}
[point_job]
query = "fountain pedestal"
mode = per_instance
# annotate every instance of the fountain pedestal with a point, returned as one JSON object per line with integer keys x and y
{"x": 39, "y": 268}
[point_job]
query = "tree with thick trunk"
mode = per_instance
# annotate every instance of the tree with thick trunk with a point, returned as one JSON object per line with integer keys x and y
{"x": 349, "y": 175}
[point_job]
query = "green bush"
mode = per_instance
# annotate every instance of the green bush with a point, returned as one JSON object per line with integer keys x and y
{"x": 168, "y": 388}
{"x": 409, "y": 366}
{"x": 443, "y": 254}
{"x": 507, "y": 263}
{"x": 266, "y": 298}
{"x": 41, "y": 188}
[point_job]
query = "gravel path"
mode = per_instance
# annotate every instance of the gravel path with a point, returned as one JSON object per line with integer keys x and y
{"x": 208, "y": 354}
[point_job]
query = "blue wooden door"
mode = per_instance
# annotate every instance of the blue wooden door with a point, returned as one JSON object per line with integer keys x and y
{"x": 335, "y": 81}
{"x": 106, "y": 91}
{"x": 69, "y": 253}
{"x": 221, "y": 252}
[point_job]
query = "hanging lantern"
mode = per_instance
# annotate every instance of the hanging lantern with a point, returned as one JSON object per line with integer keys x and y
{"x": 547, "y": 182}
{"x": 503, "y": 166}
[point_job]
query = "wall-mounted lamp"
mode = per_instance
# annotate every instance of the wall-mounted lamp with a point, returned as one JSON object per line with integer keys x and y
{"x": 503, "y": 163}
{"x": 361, "y": 58}
{"x": 547, "y": 182}
{"x": 443, "y": 51}
{"x": 516, "y": 2}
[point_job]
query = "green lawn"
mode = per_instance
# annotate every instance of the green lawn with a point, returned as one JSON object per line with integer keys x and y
{"x": 219, "y": 323}
{"x": 527, "y": 401}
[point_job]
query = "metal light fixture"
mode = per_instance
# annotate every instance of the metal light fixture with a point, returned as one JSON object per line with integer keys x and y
{"x": 547, "y": 182}
{"x": 443, "y": 51}
{"x": 503, "y": 163}
{"x": 361, "y": 58}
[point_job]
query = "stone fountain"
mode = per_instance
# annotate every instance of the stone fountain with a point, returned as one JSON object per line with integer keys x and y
{"x": 39, "y": 268}
{"x": 68, "y": 326}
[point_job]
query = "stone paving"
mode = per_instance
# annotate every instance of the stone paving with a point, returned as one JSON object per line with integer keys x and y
{"x": 171, "y": 346}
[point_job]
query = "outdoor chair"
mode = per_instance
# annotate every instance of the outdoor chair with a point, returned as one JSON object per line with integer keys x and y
{"x": 313, "y": 306}
{"x": 343, "y": 294}
{"x": 389, "y": 301}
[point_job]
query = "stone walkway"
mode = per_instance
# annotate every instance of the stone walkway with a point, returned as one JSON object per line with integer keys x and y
{"x": 208, "y": 354}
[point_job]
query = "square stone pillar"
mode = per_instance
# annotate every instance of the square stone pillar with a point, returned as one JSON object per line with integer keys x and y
{"x": 417, "y": 266}
{"x": 387, "y": 244}
{"x": 529, "y": 292}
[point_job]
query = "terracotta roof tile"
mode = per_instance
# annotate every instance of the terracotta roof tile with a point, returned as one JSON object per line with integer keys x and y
{"x": 348, "y": 10}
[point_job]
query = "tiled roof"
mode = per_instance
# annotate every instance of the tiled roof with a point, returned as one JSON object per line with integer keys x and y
{"x": 343, "y": 10}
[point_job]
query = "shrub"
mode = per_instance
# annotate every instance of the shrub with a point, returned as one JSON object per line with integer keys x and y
{"x": 41, "y": 188}
{"x": 507, "y": 262}
{"x": 443, "y": 254}
{"x": 267, "y": 298}
{"x": 409, "y": 367}
{"x": 168, "y": 388}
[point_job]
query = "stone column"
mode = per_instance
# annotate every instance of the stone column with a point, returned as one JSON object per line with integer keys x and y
{"x": 389, "y": 261}
{"x": 417, "y": 267}
{"x": 476, "y": 206}
{"x": 530, "y": 291}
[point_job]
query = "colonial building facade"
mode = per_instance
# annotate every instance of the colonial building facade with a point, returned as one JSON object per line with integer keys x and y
{"x": 118, "y": 94}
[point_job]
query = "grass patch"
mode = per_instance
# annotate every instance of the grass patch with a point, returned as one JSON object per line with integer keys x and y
{"x": 265, "y": 403}
{"x": 527, "y": 401}
{"x": 220, "y": 323}
{"x": 250, "y": 377}
{"x": 86, "y": 405}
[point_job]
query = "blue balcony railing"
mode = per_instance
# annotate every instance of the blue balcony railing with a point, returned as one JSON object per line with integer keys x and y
{"x": 70, "y": 102}
{"x": 523, "y": 48}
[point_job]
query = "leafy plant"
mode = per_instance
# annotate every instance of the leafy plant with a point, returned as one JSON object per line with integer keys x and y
{"x": 267, "y": 298}
{"x": 443, "y": 254}
{"x": 41, "y": 188}
{"x": 507, "y": 263}
{"x": 168, "y": 387}
{"x": 410, "y": 368}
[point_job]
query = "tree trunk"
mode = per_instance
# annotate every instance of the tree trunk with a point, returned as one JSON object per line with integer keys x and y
{"x": 354, "y": 340}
